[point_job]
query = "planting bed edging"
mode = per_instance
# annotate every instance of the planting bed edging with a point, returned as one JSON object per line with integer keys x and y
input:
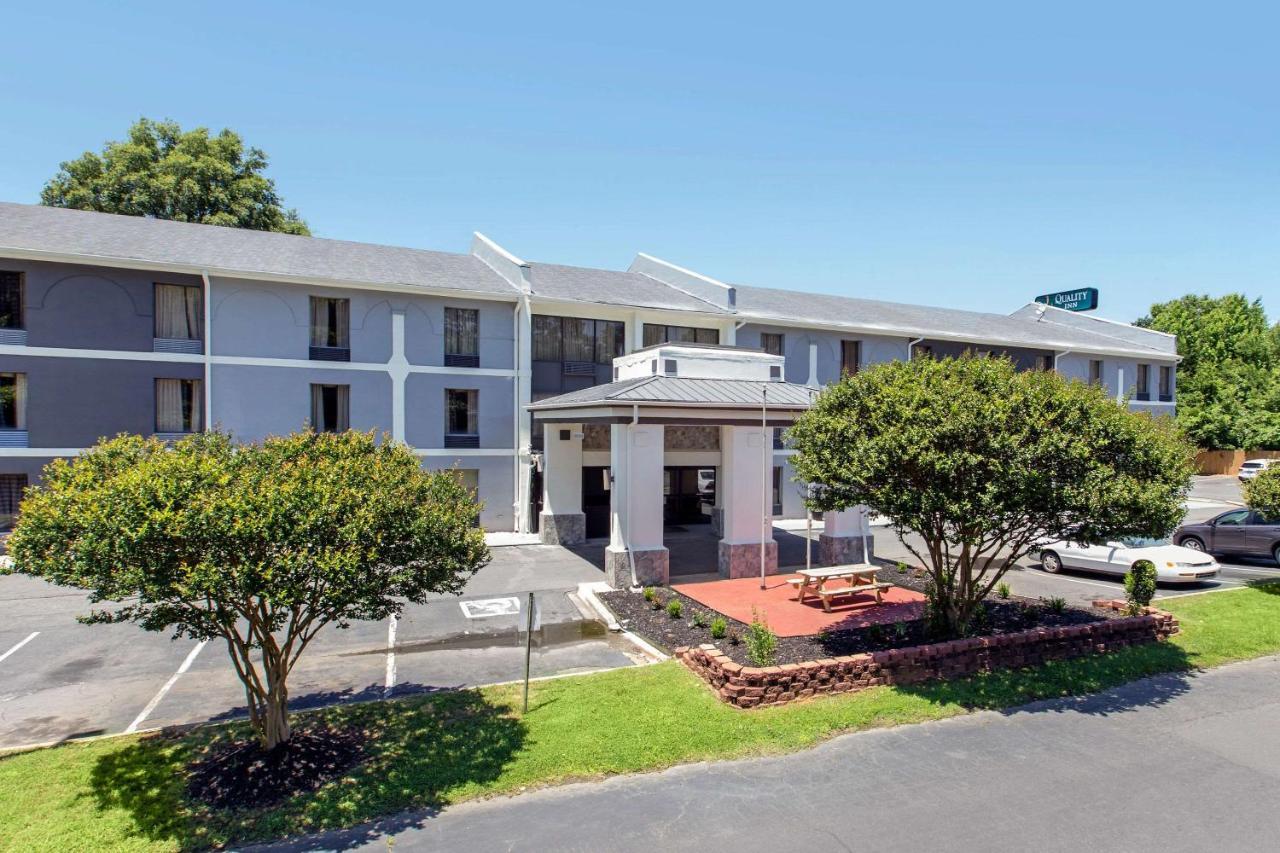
{"x": 753, "y": 687}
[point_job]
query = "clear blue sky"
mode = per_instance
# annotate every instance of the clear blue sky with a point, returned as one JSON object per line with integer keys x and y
{"x": 956, "y": 154}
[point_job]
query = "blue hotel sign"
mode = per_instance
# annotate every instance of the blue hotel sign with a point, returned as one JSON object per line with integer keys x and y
{"x": 1083, "y": 299}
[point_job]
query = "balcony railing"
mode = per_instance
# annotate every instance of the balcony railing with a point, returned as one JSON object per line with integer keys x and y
{"x": 14, "y": 438}
{"x": 190, "y": 346}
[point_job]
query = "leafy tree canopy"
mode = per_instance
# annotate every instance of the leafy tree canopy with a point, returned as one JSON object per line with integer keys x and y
{"x": 259, "y": 545}
{"x": 166, "y": 172}
{"x": 1263, "y": 492}
{"x": 983, "y": 462}
{"x": 1229, "y": 379}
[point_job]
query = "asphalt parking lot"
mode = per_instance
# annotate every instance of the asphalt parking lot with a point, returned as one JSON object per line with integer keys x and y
{"x": 60, "y": 679}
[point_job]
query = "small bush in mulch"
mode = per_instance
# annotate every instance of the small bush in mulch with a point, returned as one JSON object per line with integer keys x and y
{"x": 241, "y": 774}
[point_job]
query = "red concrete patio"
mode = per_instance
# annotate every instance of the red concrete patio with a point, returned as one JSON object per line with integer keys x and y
{"x": 789, "y": 618}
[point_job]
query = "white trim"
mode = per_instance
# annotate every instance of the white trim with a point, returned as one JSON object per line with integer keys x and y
{"x": 464, "y": 451}
{"x": 244, "y": 360}
{"x": 208, "y": 349}
{"x": 39, "y": 452}
{"x": 1152, "y": 403}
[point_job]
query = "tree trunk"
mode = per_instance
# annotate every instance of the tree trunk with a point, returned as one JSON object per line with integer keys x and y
{"x": 275, "y": 717}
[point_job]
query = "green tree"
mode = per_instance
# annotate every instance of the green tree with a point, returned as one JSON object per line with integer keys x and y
{"x": 1262, "y": 493}
{"x": 166, "y": 172}
{"x": 259, "y": 545}
{"x": 1229, "y": 378}
{"x": 982, "y": 462}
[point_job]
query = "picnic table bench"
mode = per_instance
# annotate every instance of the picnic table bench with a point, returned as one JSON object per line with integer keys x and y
{"x": 856, "y": 579}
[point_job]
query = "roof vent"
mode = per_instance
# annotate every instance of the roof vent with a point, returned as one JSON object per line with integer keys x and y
{"x": 775, "y": 372}
{"x": 669, "y": 366}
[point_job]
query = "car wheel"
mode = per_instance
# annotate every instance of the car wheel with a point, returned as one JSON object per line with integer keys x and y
{"x": 1050, "y": 563}
{"x": 1192, "y": 543}
{"x": 1275, "y": 555}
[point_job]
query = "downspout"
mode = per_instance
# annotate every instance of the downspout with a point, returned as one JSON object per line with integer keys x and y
{"x": 515, "y": 422}
{"x": 911, "y": 346}
{"x": 766, "y": 445}
{"x": 1056, "y": 356}
{"x": 626, "y": 528}
{"x": 208, "y": 350}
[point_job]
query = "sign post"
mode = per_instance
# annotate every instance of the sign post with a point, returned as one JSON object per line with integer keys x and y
{"x": 528, "y": 648}
{"x": 1082, "y": 299}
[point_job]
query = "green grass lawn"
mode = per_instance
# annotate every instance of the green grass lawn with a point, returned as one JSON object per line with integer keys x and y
{"x": 127, "y": 793}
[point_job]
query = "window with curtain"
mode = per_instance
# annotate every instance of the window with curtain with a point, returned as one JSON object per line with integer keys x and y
{"x": 13, "y": 401}
{"x": 1095, "y": 372}
{"x": 11, "y": 287}
{"x": 1144, "y": 382}
{"x": 330, "y": 322}
{"x": 850, "y": 356}
{"x": 461, "y": 331}
{"x": 579, "y": 341}
{"x": 546, "y": 338}
{"x": 461, "y": 415}
{"x": 178, "y": 405}
{"x": 771, "y": 342}
{"x": 777, "y": 490}
{"x": 1166, "y": 383}
{"x": 12, "y": 487}
{"x": 178, "y": 312}
{"x": 1044, "y": 363}
{"x": 330, "y": 408}
{"x": 657, "y": 334}
{"x": 610, "y": 340}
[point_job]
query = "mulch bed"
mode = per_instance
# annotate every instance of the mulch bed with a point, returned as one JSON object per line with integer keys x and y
{"x": 652, "y": 622}
{"x": 240, "y": 774}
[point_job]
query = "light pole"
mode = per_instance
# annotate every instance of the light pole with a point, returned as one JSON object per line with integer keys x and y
{"x": 765, "y": 448}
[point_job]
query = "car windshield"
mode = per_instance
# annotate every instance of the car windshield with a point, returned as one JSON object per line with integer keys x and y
{"x": 1251, "y": 465}
{"x": 1143, "y": 542}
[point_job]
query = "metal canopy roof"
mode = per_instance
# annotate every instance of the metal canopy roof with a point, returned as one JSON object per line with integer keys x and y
{"x": 676, "y": 391}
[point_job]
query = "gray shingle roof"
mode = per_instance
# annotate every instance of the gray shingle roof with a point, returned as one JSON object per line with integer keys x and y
{"x": 35, "y": 228}
{"x": 922, "y": 320}
{"x": 732, "y": 393}
{"x": 611, "y": 287}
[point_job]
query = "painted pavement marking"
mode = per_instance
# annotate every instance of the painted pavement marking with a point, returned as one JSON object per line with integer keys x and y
{"x": 391, "y": 655}
{"x": 29, "y": 638}
{"x": 168, "y": 685}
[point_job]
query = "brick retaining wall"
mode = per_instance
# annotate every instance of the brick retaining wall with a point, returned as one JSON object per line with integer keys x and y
{"x": 751, "y": 687}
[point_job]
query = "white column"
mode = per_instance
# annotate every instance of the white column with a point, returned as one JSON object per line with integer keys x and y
{"x": 846, "y": 537}
{"x": 745, "y": 487}
{"x": 636, "y": 553}
{"x": 523, "y": 395}
{"x": 398, "y": 370}
{"x": 562, "y": 521}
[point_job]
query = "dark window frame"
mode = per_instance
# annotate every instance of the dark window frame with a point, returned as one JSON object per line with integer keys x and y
{"x": 846, "y": 346}
{"x": 1166, "y": 383}
{"x": 192, "y": 404}
{"x": 774, "y": 343}
{"x": 18, "y": 279}
{"x": 155, "y": 310}
{"x": 340, "y": 399}
{"x": 694, "y": 335}
{"x": 1142, "y": 383}
{"x": 469, "y": 436}
{"x": 1097, "y": 371}
{"x": 456, "y": 353}
{"x": 332, "y": 347}
{"x": 16, "y": 420}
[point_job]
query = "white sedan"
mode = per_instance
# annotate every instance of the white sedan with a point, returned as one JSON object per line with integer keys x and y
{"x": 1174, "y": 564}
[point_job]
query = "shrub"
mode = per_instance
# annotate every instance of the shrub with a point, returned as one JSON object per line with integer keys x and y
{"x": 1056, "y": 605}
{"x": 1140, "y": 586}
{"x": 699, "y": 619}
{"x": 650, "y": 593}
{"x": 719, "y": 628}
{"x": 1002, "y": 590}
{"x": 981, "y": 622}
{"x": 875, "y": 633}
{"x": 762, "y": 643}
{"x": 901, "y": 567}
{"x": 675, "y": 608}
{"x": 900, "y": 631}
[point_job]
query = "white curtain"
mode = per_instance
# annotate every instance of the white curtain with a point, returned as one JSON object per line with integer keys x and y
{"x": 169, "y": 405}
{"x": 330, "y": 322}
{"x": 330, "y": 408}
{"x": 177, "y": 311}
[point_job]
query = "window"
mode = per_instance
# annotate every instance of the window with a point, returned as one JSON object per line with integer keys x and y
{"x": 850, "y": 356}
{"x": 12, "y": 487}
{"x": 922, "y": 351}
{"x": 777, "y": 490}
{"x": 461, "y": 427}
{"x": 1044, "y": 363}
{"x": 654, "y": 334}
{"x": 13, "y": 401}
{"x": 771, "y": 343}
{"x": 178, "y": 312}
{"x": 1144, "y": 382}
{"x": 461, "y": 337}
{"x": 1166, "y": 383}
{"x": 577, "y": 341}
{"x": 178, "y": 405}
{"x": 11, "y": 293}
{"x": 1233, "y": 518}
{"x": 330, "y": 329}
{"x": 331, "y": 408}
{"x": 1095, "y": 372}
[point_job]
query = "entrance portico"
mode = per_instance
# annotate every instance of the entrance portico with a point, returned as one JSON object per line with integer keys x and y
{"x": 662, "y": 398}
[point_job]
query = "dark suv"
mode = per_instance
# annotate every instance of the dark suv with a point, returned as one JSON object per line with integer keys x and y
{"x": 1240, "y": 531}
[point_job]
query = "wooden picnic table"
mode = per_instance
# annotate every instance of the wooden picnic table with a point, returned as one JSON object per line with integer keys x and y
{"x": 860, "y": 577}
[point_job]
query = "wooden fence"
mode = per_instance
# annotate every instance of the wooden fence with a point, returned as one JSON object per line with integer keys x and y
{"x": 1229, "y": 461}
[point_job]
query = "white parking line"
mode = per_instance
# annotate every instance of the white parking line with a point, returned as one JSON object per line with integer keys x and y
{"x": 391, "y": 655}
{"x": 168, "y": 685}
{"x": 29, "y": 638}
{"x": 1081, "y": 580}
{"x": 1271, "y": 573}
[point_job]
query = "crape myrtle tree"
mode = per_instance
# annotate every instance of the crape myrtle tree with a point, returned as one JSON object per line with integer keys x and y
{"x": 258, "y": 545}
{"x": 1262, "y": 493}
{"x": 982, "y": 461}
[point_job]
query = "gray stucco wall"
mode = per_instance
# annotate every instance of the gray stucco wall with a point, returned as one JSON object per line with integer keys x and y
{"x": 72, "y": 402}
{"x": 425, "y": 416}
{"x": 496, "y": 477}
{"x": 252, "y": 402}
{"x": 796, "y": 342}
{"x": 84, "y": 307}
{"x": 272, "y": 320}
